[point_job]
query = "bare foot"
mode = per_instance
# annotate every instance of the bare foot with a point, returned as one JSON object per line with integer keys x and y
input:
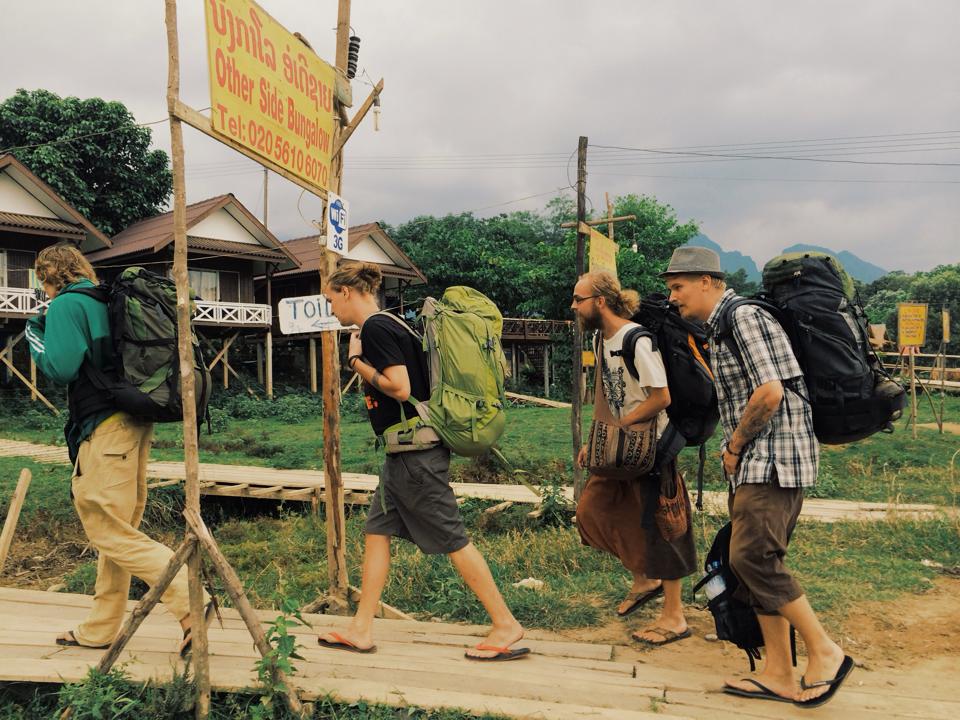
{"x": 821, "y": 667}
{"x": 499, "y": 636}
{"x": 361, "y": 640}
{"x": 784, "y": 686}
{"x": 639, "y": 588}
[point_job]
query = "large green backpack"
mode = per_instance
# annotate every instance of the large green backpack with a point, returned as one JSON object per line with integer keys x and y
{"x": 461, "y": 334}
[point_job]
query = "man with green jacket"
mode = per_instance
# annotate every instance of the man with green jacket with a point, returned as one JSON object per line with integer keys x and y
{"x": 109, "y": 450}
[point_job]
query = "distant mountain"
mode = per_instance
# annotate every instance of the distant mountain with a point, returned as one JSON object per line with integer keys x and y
{"x": 860, "y": 269}
{"x": 730, "y": 261}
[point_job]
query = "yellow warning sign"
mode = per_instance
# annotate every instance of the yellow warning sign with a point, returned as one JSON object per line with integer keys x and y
{"x": 911, "y": 324}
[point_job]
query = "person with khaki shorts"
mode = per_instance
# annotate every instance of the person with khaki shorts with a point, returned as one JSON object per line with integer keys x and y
{"x": 770, "y": 456}
{"x": 109, "y": 451}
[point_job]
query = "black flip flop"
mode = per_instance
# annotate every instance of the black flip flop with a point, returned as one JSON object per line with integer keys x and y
{"x": 764, "y": 693}
{"x": 210, "y": 608}
{"x": 642, "y": 600}
{"x": 72, "y": 642}
{"x": 845, "y": 668}
{"x": 503, "y": 653}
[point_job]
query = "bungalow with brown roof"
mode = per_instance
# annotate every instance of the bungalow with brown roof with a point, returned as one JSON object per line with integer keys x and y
{"x": 32, "y": 217}
{"x": 369, "y": 243}
{"x": 226, "y": 248}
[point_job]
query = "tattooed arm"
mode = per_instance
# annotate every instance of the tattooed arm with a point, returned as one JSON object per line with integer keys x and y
{"x": 760, "y": 408}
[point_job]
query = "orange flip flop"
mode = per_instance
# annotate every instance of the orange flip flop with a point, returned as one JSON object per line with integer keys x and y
{"x": 341, "y": 643}
{"x": 502, "y": 653}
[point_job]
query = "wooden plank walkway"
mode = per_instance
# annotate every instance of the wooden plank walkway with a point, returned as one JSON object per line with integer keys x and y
{"x": 303, "y": 485}
{"x": 422, "y": 664}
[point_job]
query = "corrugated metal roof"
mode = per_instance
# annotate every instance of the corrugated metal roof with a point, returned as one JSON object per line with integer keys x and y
{"x": 234, "y": 248}
{"x": 35, "y": 222}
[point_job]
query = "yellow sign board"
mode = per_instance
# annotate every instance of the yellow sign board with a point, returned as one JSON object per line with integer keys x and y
{"x": 603, "y": 253}
{"x": 911, "y": 324}
{"x": 588, "y": 359}
{"x": 268, "y": 91}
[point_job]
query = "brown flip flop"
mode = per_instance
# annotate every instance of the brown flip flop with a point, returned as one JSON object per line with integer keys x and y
{"x": 72, "y": 642}
{"x": 640, "y": 600}
{"x": 341, "y": 643}
{"x": 669, "y": 636}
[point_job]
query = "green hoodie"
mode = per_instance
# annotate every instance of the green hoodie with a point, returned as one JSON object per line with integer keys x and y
{"x": 74, "y": 328}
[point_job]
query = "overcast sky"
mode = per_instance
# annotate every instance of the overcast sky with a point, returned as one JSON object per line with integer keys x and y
{"x": 484, "y": 102}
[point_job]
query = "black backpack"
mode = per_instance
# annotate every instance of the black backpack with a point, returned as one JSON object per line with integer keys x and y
{"x": 144, "y": 380}
{"x": 812, "y": 297}
{"x": 683, "y": 346}
{"x": 736, "y": 622}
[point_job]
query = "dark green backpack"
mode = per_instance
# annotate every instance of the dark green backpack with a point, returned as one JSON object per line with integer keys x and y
{"x": 145, "y": 377}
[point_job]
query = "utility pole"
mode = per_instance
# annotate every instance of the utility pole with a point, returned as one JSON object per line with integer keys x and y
{"x": 577, "y": 364}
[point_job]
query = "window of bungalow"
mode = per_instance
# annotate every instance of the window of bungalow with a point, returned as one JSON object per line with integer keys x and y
{"x": 215, "y": 286}
{"x": 16, "y": 269}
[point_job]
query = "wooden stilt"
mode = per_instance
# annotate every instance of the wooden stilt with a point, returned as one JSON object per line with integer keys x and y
{"x": 235, "y": 589}
{"x": 226, "y": 364}
{"x": 269, "y": 342}
{"x": 577, "y": 367}
{"x": 191, "y": 451}
{"x": 312, "y": 363}
{"x": 13, "y": 515}
{"x": 546, "y": 371}
{"x": 259, "y": 363}
{"x": 6, "y": 357}
{"x": 33, "y": 380}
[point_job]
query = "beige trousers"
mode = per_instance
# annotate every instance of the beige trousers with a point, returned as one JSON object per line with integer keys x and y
{"x": 110, "y": 493}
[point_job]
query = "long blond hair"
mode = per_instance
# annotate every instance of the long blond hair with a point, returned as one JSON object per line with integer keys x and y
{"x": 60, "y": 265}
{"x": 621, "y": 302}
{"x": 361, "y": 276}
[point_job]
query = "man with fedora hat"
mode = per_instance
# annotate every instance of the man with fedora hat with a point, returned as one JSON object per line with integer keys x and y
{"x": 770, "y": 454}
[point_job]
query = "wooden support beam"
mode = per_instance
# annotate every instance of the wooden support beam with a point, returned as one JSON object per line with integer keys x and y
{"x": 601, "y": 221}
{"x": 259, "y": 364}
{"x": 13, "y": 515}
{"x": 312, "y": 363}
{"x": 347, "y": 131}
{"x": 6, "y": 356}
{"x": 234, "y": 588}
{"x": 33, "y": 380}
{"x": 577, "y": 359}
{"x": 262, "y": 491}
{"x": 498, "y": 508}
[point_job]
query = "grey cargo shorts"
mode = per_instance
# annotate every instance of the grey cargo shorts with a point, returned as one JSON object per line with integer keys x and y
{"x": 414, "y": 501}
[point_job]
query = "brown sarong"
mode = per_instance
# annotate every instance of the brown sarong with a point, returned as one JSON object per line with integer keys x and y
{"x": 610, "y": 517}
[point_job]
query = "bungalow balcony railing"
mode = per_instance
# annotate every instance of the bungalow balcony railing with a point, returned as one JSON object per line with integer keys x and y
{"x": 231, "y": 313}
{"x": 533, "y": 329}
{"x": 19, "y": 302}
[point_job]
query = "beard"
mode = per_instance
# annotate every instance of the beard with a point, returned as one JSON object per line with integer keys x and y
{"x": 591, "y": 322}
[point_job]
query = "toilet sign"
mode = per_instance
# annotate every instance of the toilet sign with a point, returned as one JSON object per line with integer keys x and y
{"x": 338, "y": 212}
{"x": 308, "y": 314}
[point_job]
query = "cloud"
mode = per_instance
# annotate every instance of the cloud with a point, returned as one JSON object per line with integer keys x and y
{"x": 525, "y": 79}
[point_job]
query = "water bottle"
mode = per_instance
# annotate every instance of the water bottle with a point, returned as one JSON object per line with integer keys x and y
{"x": 715, "y": 585}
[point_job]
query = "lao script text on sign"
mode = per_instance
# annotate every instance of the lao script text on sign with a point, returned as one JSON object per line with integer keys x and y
{"x": 337, "y": 223}
{"x": 269, "y": 91}
{"x": 603, "y": 251}
{"x": 307, "y": 314}
{"x": 911, "y": 324}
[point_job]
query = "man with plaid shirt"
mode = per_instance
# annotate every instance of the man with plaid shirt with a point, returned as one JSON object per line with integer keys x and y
{"x": 770, "y": 454}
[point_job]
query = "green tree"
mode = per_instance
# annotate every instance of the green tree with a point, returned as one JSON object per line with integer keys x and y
{"x": 106, "y": 170}
{"x": 739, "y": 282}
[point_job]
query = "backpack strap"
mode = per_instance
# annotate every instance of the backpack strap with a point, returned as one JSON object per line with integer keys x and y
{"x": 100, "y": 292}
{"x": 401, "y": 322}
{"x": 628, "y": 350}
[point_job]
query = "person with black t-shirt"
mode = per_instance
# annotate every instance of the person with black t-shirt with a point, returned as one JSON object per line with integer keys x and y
{"x": 414, "y": 500}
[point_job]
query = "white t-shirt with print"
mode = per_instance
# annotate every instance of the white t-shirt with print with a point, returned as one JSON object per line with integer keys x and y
{"x": 623, "y": 393}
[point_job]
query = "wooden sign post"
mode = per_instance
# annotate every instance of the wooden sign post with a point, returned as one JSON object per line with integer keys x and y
{"x": 584, "y": 230}
{"x": 911, "y": 335}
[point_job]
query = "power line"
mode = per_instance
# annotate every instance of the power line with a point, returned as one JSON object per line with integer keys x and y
{"x": 779, "y": 157}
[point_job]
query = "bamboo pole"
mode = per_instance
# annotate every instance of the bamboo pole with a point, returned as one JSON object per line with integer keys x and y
{"x": 577, "y": 364}
{"x": 33, "y": 380}
{"x": 191, "y": 451}
{"x": 13, "y": 515}
{"x": 913, "y": 393}
{"x": 312, "y": 362}
{"x": 235, "y": 589}
{"x": 337, "y": 575}
{"x": 269, "y": 341}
